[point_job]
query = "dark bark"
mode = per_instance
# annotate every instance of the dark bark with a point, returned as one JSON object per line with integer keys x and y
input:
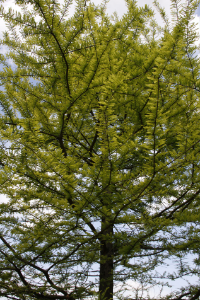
{"x": 106, "y": 261}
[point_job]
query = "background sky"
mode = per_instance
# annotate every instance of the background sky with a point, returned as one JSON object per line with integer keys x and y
{"x": 120, "y": 7}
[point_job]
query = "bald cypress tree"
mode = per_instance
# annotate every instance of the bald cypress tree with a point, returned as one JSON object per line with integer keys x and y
{"x": 100, "y": 148}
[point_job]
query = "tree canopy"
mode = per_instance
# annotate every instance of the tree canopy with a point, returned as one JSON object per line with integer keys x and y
{"x": 100, "y": 149}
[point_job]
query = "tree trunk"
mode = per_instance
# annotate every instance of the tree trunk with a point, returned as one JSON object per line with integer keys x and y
{"x": 106, "y": 261}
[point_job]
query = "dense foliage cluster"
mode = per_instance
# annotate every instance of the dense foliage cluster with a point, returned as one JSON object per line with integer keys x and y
{"x": 100, "y": 149}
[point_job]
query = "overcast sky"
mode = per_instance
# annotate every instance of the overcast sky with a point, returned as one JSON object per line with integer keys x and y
{"x": 116, "y": 5}
{"x": 120, "y": 7}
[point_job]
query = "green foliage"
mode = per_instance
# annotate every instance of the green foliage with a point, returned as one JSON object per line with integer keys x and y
{"x": 100, "y": 148}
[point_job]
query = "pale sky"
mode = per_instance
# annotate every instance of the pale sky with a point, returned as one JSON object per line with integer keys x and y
{"x": 120, "y": 7}
{"x": 116, "y": 5}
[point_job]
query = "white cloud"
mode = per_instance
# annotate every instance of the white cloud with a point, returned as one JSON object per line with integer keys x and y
{"x": 114, "y": 5}
{"x": 3, "y": 198}
{"x": 120, "y": 6}
{"x": 197, "y": 22}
